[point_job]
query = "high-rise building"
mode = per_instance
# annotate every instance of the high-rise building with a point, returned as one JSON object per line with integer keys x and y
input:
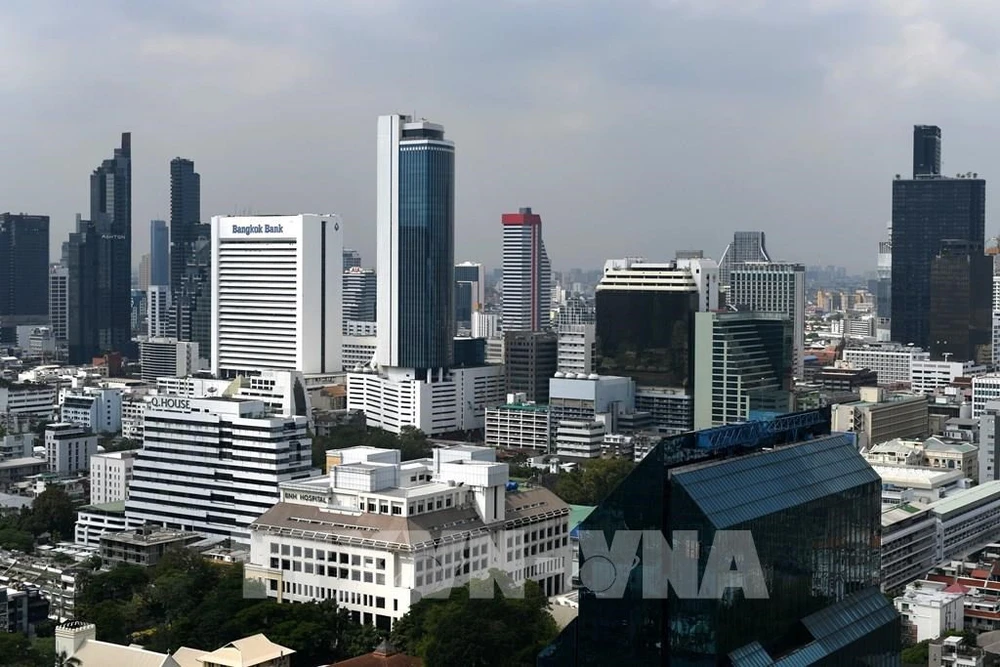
{"x": 159, "y": 253}
{"x": 158, "y": 311}
{"x": 470, "y": 292}
{"x": 527, "y": 274}
{"x": 883, "y": 288}
{"x": 24, "y": 269}
{"x": 190, "y": 259}
{"x": 774, "y": 287}
{"x": 416, "y": 244}
{"x": 706, "y": 502}
{"x": 213, "y": 465}
{"x": 99, "y": 258}
{"x": 530, "y": 360}
{"x": 996, "y": 319}
{"x": 276, "y": 293}
{"x": 352, "y": 258}
{"x": 645, "y": 318}
{"x": 745, "y": 247}
{"x": 360, "y": 296}
{"x": 927, "y": 210}
{"x": 742, "y": 366}
{"x": 961, "y": 284}
{"x": 144, "y": 272}
{"x": 577, "y": 348}
{"x": 59, "y": 301}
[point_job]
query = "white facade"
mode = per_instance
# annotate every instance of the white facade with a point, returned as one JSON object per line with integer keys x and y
{"x": 590, "y": 398}
{"x": 930, "y": 610}
{"x": 988, "y": 451}
{"x": 28, "y": 399}
{"x": 133, "y": 413}
{"x": 518, "y": 425}
{"x": 110, "y": 474}
{"x": 212, "y": 465}
{"x": 693, "y": 274}
{"x": 17, "y": 446}
{"x": 774, "y": 287}
{"x": 926, "y": 376}
{"x": 96, "y": 408}
{"x": 485, "y": 325}
{"x": 985, "y": 388}
{"x": 359, "y": 351}
{"x": 893, "y": 363}
{"x": 527, "y": 274}
{"x": 68, "y": 448}
{"x": 967, "y": 520}
{"x": 276, "y": 293}
{"x": 158, "y": 311}
{"x": 445, "y": 402}
{"x": 92, "y": 522}
{"x": 278, "y": 390}
{"x": 996, "y": 319}
{"x": 368, "y": 546}
{"x": 579, "y": 439}
{"x": 167, "y": 357}
{"x": 577, "y": 348}
{"x": 59, "y": 301}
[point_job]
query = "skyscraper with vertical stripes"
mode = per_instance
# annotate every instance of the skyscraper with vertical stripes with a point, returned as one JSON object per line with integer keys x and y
{"x": 527, "y": 274}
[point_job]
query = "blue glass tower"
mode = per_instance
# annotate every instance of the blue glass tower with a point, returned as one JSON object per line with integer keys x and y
{"x": 416, "y": 244}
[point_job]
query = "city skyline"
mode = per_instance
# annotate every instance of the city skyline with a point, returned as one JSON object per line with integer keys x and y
{"x": 579, "y": 133}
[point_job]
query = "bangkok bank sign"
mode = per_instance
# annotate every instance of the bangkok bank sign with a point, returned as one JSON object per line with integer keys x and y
{"x": 251, "y": 230}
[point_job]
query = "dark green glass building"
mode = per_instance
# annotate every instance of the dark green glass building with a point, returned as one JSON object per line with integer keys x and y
{"x": 811, "y": 505}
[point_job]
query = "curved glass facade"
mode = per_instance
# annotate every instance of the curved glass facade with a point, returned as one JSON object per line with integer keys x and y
{"x": 426, "y": 254}
{"x": 647, "y": 335}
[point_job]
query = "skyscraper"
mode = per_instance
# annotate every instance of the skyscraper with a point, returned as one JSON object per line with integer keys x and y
{"x": 159, "y": 253}
{"x": 883, "y": 288}
{"x": 360, "y": 296}
{"x": 645, "y": 318}
{"x": 527, "y": 274}
{"x": 807, "y": 592}
{"x": 416, "y": 244}
{"x": 352, "y": 258}
{"x": 190, "y": 258}
{"x": 927, "y": 210}
{"x": 276, "y": 296}
{"x": 59, "y": 302}
{"x": 774, "y": 287}
{"x": 470, "y": 291}
{"x": 745, "y": 247}
{"x": 24, "y": 269}
{"x": 961, "y": 303}
{"x": 100, "y": 263}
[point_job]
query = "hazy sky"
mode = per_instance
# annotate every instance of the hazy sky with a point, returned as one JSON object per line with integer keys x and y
{"x": 633, "y": 128}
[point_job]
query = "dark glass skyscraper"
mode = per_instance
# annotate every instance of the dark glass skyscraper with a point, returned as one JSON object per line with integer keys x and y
{"x": 809, "y": 591}
{"x": 24, "y": 265}
{"x": 159, "y": 253}
{"x": 927, "y": 210}
{"x": 961, "y": 326}
{"x": 416, "y": 244}
{"x": 100, "y": 266}
{"x": 190, "y": 258}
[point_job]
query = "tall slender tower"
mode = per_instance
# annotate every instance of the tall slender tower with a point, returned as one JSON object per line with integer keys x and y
{"x": 190, "y": 259}
{"x": 416, "y": 244}
{"x": 100, "y": 263}
{"x": 527, "y": 274}
{"x": 185, "y": 216}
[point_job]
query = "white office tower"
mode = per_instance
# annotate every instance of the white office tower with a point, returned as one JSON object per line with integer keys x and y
{"x": 377, "y": 534}
{"x": 98, "y": 409}
{"x": 59, "y": 301}
{"x": 68, "y": 448}
{"x": 213, "y": 465}
{"x": 577, "y": 348}
{"x": 883, "y": 288}
{"x": 163, "y": 357}
{"x": 774, "y": 287}
{"x": 527, "y": 274}
{"x": 360, "y": 297}
{"x": 410, "y": 381}
{"x": 276, "y": 293}
{"x": 485, "y": 325}
{"x": 996, "y": 320}
{"x": 158, "y": 311}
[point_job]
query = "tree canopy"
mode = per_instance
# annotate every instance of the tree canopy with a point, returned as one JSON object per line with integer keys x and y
{"x": 477, "y": 631}
{"x": 590, "y": 483}
{"x": 186, "y": 600}
{"x": 412, "y": 442}
{"x": 52, "y": 512}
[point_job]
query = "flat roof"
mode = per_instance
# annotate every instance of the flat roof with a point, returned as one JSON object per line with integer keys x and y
{"x": 961, "y": 500}
{"x": 917, "y": 478}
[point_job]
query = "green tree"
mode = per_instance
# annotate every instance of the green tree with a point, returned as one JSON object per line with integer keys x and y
{"x": 413, "y": 444}
{"x": 19, "y": 540}
{"x": 52, "y": 512}
{"x": 16, "y": 650}
{"x": 591, "y": 483}
{"x": 478, "y": 631}
{"x": 916, "y": 654}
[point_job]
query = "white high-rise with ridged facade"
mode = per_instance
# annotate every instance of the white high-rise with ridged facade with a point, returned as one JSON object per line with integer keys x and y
{"x": 276, "y": 293}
